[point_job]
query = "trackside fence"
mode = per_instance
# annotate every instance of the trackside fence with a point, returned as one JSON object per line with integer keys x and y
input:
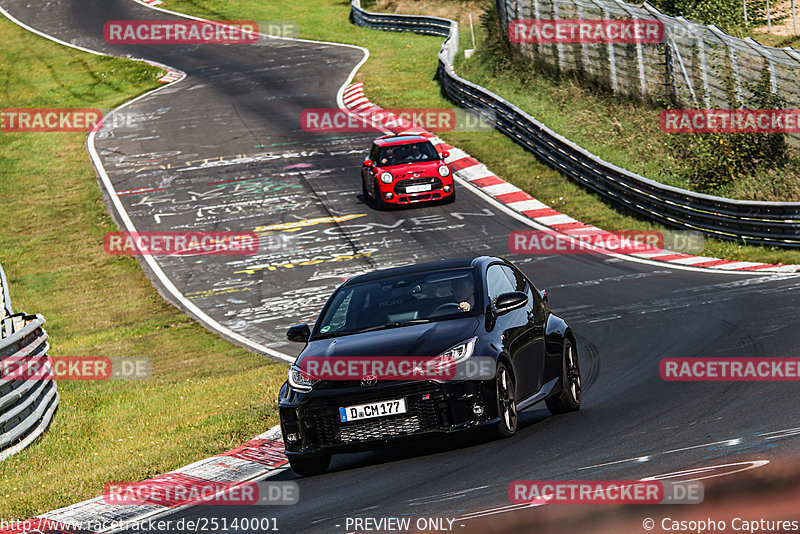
{"x": 694, "y": 65}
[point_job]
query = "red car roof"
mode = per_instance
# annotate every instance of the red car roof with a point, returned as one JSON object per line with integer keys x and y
{"x": 391, "y": 140}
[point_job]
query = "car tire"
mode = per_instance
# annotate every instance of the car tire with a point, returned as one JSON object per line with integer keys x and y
{"x": 379, "y": 202}
{"x": 310, "y": 464}
{"x": 364, "y": 192}
{"x": 505, "y": 393}
{"x": 569, "y": 399}
{"x": 451, "y": 198}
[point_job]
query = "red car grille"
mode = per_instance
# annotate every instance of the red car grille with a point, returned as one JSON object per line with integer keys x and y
{"x": 401, "y": 187}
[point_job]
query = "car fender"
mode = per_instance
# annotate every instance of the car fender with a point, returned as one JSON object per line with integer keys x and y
{"x": 555, "y": 331}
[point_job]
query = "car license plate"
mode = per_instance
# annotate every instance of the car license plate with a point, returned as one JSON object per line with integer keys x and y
{"x": 372, "y": 409}
{"x": 418, "y": 188}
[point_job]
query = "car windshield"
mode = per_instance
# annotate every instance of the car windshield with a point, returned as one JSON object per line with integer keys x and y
{"x": 408, "y": 153}
{"x": 400, "y": 301}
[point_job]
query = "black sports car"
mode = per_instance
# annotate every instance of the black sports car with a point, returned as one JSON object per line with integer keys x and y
{"x": 480, "y": 308}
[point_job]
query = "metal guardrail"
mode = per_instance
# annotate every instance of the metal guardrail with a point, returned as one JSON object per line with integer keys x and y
{"x": 766, "y": 223}
{"x": 26, "y": 405}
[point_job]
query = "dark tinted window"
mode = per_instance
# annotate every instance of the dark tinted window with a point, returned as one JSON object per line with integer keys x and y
{"x": 497, "y": 282}
{"x": 516, "y": 278}
{"x": 408, "y": 153}
{"x": 420, "y": 297}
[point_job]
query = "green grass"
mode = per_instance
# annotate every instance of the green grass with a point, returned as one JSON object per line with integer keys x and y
{"x": 205, "y": 395}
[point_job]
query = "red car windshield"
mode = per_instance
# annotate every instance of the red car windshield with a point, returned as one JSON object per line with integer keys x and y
{"x": 408, "y": 153}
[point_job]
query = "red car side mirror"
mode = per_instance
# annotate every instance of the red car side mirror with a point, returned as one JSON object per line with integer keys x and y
{"x": 445, "y": 155}
{"x": 368, "y": 163}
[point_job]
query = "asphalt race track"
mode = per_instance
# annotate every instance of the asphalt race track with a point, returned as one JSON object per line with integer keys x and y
{"x": 224, "y": 150}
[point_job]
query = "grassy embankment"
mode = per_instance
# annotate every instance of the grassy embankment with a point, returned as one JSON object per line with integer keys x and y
{"x": 205, "y": 396}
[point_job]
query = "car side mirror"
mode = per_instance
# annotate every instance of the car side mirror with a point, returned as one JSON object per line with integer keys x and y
{"x": 509, "y": 301}
{"x": 368, "y": 163}
{"x": 543, "y": 293}
{"x": 299, "y": 333}
{"x": 445, "y": 154}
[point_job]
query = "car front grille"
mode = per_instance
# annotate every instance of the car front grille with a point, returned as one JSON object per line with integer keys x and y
{"x": 373, "y": 429}
{"x": 422, "y": 415}
{"x": 401, "y": 187}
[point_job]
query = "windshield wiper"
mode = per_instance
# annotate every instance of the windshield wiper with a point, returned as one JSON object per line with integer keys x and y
{"x": 331, "y": 334}
{"x": 372, "y": 328}
{"x": 392, "y": 325}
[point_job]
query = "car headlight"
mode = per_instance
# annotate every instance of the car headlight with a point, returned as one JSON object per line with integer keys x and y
{"x": 299, "y": 380}
{"x": 444, "y": 170}
{"x": 387, "y": 178}
{"x": 459, "y": 353}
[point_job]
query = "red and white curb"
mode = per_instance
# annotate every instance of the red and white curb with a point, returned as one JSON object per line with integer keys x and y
{"x": 171, "y": 75}
{"x": 478, "y": 175}
{"x": 258, "y": 458}
{"x": 153, "y": 2}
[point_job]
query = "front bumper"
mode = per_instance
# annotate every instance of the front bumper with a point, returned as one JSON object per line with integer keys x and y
{"x": 310, "y": 420}
{"x": 401, "y": 194}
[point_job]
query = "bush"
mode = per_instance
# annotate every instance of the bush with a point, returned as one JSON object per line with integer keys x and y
{"x": 712, "y": 162}
{"x": 726, "y": 14}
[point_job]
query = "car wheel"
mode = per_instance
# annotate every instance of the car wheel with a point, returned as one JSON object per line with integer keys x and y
{"x": 310, "y": 464}
{"x": 506, "y": 402}
{"x": 379, "y": 202}
{"x": 364, "y": 191}
{"x": 451, "y": 198}
{"x": 569, "y": 399}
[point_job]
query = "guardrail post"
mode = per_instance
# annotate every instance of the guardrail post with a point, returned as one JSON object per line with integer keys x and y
{"x": 584, "y": 45}
{"x": 734, "y": 63}
{"x": 639, "y": 54}
{"x": 537, "y": 14}
{"x": 559, "y": 45}
{"x": 701, "y": 47}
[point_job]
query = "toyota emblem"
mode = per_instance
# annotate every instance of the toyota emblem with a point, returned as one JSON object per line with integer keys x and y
{"x": 369, "y": 380}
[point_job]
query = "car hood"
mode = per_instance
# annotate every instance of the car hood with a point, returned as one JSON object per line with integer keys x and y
{"x": 425, "y": 168}
{"x": 428, "y": 339}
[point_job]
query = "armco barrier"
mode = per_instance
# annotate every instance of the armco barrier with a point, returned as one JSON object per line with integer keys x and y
{"x": 767, "y": 223}
{"x": 26, "y": 406}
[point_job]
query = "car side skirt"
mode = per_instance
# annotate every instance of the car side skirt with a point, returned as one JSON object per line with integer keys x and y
{"x": 540, "y": 395}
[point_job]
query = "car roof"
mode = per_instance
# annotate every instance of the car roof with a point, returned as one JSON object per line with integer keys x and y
{"x": 467, "y": 262}
{"x": 391, "y": 140}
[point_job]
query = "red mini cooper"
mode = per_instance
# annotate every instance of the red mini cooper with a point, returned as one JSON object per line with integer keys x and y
{"x": 402, "y": 169}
